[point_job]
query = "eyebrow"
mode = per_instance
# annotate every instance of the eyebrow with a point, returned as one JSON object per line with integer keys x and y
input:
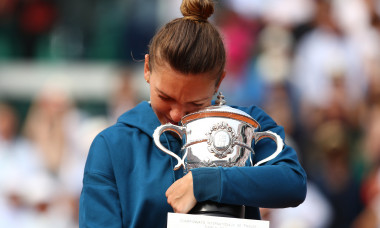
{"x": 166, "y": 95}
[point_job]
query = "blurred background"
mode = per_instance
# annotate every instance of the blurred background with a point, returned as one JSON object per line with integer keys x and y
{"x": 69, "y": 68}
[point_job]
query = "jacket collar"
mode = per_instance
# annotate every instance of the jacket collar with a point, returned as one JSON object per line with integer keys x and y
{"x": 142, "y": 117}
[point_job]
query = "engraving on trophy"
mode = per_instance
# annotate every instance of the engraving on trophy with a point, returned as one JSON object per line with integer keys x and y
{"x": 221, "y": 140}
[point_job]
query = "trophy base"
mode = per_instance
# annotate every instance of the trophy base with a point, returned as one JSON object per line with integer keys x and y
{"x": 217, "y": 209}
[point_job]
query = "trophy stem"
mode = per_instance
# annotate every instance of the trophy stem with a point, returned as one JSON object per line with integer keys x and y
{"x": 218, "y": 209}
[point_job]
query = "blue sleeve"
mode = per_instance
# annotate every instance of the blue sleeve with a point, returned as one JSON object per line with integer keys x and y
{"x": 277, "y": 183}
{"x": 99, "y": 201}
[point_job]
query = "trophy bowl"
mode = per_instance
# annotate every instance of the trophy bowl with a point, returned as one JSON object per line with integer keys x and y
{"x": 218, "y": 135}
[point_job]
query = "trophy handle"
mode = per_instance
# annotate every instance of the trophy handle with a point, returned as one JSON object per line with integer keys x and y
{"x": 179, "y": 130}
{"x": 275, "y": 137}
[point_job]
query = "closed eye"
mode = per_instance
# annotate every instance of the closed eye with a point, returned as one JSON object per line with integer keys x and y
{"x": 198, "y": 105}
{"x": 164, "y": 98}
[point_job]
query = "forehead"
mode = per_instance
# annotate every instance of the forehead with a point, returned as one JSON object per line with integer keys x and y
{"x": 182, "y": 86}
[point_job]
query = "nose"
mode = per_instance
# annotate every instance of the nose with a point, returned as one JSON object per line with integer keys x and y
{"x": 176, "y": 113}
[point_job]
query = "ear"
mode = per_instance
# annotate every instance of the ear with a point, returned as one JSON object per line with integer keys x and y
{"x": 147, "y": 71}
{"x": 220, "y": 81}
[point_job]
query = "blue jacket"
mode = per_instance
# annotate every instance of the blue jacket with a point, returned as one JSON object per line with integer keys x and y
{"x": 126, "y": 175}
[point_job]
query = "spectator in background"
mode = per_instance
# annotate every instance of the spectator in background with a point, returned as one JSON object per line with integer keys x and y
{"x": 16, "y": 152}
{"x": 48, "y": 123}
{"x": 269, "y": 69}
{"x": 316, "y": 211}
{"x": 330, "y": 78}
{"x": 54, "y": 126}
{"x": 333, "y": 171}
{"x": 240, "y": 38}
{"x": 27, "y": 190}
{"x": 326, "y": 60}
{"x": 8, "y": 125}
{"x": 370, "y": 191}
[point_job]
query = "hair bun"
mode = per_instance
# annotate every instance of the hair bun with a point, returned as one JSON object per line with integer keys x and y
{"x": 197, "y": 10}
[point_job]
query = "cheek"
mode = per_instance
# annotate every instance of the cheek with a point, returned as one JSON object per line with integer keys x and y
{"x": 160, "y": 106}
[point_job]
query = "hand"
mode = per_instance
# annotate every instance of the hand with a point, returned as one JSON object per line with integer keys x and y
{"x": 180, "y": 194}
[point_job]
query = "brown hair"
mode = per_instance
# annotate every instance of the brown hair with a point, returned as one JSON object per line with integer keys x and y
{"x": 191, "y": 45}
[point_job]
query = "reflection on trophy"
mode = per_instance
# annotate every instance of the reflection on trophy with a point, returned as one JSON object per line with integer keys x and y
{"x": 218, "y": 135}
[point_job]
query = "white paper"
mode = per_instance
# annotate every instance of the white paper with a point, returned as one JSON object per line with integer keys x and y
{"x": 177, "y": 220}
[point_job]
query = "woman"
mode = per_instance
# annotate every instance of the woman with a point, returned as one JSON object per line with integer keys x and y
{"x": 129, "y": 182}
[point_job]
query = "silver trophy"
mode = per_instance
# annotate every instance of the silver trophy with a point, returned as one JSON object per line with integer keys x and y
{"x": 217, "y": 135}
